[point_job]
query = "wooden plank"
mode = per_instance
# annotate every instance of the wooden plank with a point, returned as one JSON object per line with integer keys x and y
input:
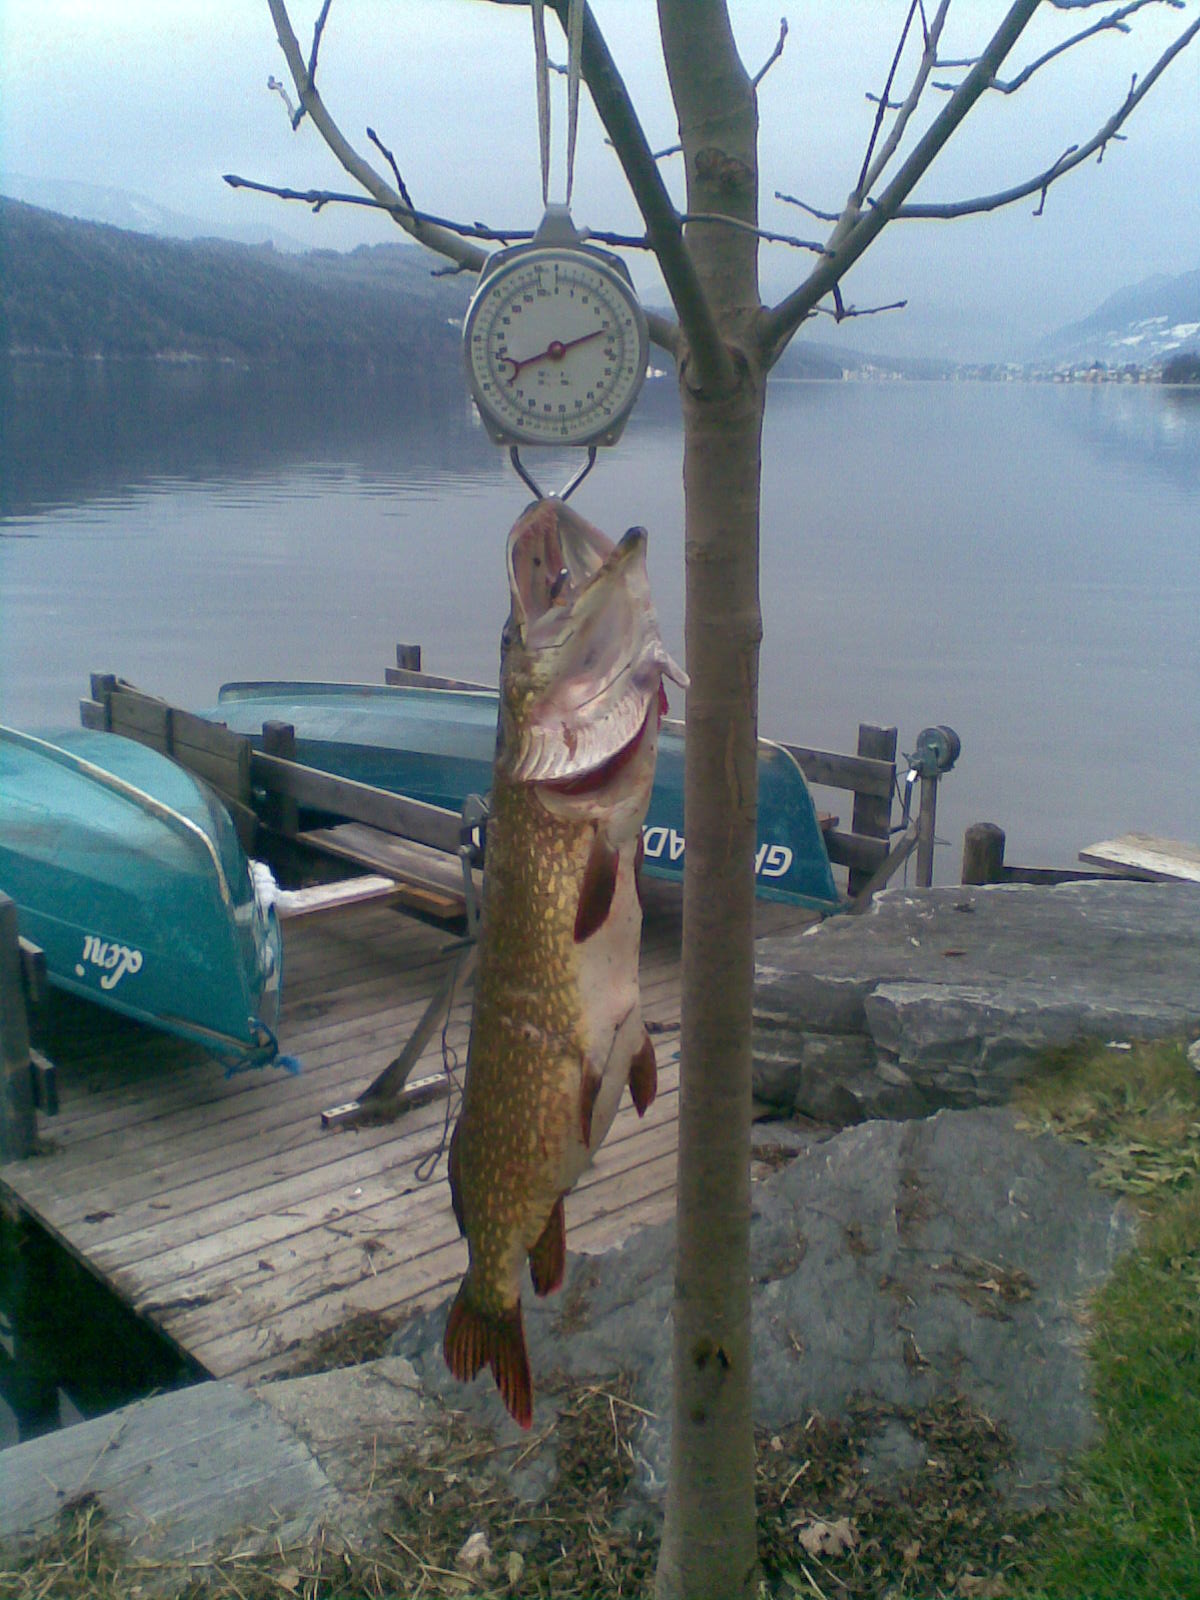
{"x": 432, "y": 879}
{"x": 855, "y": 850}
{"x": 361, "y": 802}
{"x": 862, "y": 774}
{"x": 1155, "y": 859}
{"x": 324, "y": 897}
{"x": 872, "y": 813}
{"x": 405, "y": 678}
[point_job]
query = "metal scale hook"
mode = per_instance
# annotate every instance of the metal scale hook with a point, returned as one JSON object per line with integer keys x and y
{"x": 531, "y": 482}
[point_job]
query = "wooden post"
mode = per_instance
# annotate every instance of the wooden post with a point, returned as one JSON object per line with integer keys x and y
{"x": 983, "y": 854}
{"x": 926, "y": 818}
{"x": 872, "y": 813}
{"x": 408, "y": 657}
{"x": 18, "y": 1127}
{"x": 282, "y": 812}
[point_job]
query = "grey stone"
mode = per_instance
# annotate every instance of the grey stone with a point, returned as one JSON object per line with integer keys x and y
{"x": 174, "y": 1475}
{"x": 897, "y": 1262}
{"x": 943, "y": 997}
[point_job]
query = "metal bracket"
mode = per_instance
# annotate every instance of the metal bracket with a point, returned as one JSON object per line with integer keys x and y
{"x": 471, "y": 851}
{"x": 531, "y": 482}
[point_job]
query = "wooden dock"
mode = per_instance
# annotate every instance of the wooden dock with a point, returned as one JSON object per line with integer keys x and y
{"x": 223, "y": 1212}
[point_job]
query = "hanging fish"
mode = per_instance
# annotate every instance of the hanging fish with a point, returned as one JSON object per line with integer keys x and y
{"x": 557, "y": 1030}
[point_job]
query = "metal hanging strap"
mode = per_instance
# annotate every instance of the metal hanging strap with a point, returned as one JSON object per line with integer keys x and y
{"x": 542, "y": 72}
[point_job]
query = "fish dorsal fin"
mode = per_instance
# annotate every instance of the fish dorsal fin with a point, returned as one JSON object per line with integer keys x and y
{"x": 599, "y": 886}
{"x": 548, "y": 1258}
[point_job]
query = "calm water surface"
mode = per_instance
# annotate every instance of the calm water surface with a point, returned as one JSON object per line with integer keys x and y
{"x": 1020, "y": 561}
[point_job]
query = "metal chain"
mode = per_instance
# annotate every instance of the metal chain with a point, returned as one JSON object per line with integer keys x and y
{"x": 542, "y": 72}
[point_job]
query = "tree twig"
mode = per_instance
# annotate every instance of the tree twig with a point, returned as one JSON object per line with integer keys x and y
{"x": 885, "y": 102}
{"x": 438, "y": 238}
{"x": 821, "y": 216}
{"x": 1067, "y": 162}
{"x": 391, "y": 161}
{"x": 1114, "y": 22}
{"x": 774, "y": 56}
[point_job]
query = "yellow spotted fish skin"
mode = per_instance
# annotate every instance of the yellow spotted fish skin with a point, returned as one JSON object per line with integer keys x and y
{"x": 557, "y": 1030}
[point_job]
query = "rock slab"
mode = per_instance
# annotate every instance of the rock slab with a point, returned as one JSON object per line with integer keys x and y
{"x": 898, "y": 1263}
{"x": 943, "y": 997}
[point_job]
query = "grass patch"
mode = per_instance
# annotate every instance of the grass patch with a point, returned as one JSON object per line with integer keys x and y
{"x": 1130, "y": 1529}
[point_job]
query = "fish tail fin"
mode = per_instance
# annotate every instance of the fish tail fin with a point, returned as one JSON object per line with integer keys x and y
{"x": 475, "y": 1339}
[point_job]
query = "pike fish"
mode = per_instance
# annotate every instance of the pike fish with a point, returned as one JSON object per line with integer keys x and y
{"x": 557, "y": 1029}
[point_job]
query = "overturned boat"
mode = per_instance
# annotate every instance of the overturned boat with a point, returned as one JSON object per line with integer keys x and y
{"x": 437, "y": 745}
{"x": 127, "y": 872}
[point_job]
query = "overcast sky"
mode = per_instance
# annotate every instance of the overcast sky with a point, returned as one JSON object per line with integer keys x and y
{"x": 160, "y": 97}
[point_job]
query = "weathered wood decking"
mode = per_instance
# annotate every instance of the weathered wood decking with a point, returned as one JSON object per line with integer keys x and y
{"x": 223, "y": 1212}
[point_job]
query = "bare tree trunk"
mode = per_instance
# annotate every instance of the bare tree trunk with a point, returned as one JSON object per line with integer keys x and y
{"x": 708, "y": 1544}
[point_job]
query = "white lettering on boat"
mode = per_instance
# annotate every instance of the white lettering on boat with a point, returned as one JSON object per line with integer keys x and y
{"x": 113, "y": 960}
{"x": 660, "y": 843}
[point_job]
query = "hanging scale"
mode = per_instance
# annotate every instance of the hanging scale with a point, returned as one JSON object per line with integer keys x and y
{"x": 554, "y": 338}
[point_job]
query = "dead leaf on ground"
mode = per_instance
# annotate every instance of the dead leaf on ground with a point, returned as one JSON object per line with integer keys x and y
{"x": 827, "y": 1538}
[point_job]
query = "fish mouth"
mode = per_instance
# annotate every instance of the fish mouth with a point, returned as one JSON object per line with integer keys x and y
{"x": 585, "y": 659}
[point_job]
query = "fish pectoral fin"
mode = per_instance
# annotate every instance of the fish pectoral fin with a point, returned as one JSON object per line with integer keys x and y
{"x": 589, "y": 1088}
{"x": 643, "y": 1076}
{"x": 599, "y": 886}
{"x": 475, "y": 1339}
{"x": 548, "y": 1258}
{"x": 453, "y": 1173}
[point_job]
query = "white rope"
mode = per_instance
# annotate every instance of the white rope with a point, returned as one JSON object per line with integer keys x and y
{"x": 542, "y": 72}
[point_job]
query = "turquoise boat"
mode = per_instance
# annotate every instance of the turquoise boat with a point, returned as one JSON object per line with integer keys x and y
{"x": 437, "y": 745}
{"x": 128, "y": 874}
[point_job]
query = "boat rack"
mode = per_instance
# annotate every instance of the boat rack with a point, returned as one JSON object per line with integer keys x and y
{"x": 432, "y": 855}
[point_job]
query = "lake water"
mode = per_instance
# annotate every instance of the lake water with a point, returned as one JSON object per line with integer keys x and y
{"x": 1019, "y": 561}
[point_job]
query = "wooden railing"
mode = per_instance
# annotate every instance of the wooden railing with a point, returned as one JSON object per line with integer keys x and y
{"x": 869, "y": 849}
{"x": 869, "y": 776}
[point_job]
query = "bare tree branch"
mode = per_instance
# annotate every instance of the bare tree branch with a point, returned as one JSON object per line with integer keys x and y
{"x": 847, "y": 244}
{"x": 932, "y": 32}
{"x": 885, "y": 101}
{"x": 1115, "y": 22}
{"x": 435, "y": 237}
{"x": 851, "y": 237}
{"x": 1070, "y": 158}
{"x": 391, "y": 161}
{"x": 774, "y": 56}
{"x": 821, "y": 216}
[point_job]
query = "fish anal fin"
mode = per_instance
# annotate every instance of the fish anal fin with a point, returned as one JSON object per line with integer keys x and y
{"x": 453, "y": 1173}
{"x": 548, "y": 1258}
{"x": 643, "y": 1076}
{"x": 599, "y": 886}
{"x": 589, "y": 1088}
{"x": 475, "y": 1339}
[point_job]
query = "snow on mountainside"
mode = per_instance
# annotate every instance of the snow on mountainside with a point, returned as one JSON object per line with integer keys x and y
{"x": 1146, "y": 323}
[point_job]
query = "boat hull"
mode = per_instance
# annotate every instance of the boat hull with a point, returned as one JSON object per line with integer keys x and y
{"x": 437, "y": 745}
{"x": 128, "y": 874}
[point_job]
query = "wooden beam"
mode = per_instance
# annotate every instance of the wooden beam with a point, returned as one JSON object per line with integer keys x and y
{"x": 18, "y": 1128}
{"x": 872, "y": 814}
{"x": 361, "y": 802}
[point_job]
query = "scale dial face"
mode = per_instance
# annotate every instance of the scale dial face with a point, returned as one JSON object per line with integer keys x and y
{"x": 556, "y": 348}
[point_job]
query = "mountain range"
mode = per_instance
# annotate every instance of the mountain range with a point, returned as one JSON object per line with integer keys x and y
{"x": 81, "y": 288}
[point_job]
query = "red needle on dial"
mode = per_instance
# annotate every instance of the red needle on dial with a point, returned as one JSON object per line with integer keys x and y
{"x": 554, "y": 351}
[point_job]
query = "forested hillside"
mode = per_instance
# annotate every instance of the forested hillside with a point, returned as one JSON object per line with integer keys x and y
{"x": 82, "y": 289}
